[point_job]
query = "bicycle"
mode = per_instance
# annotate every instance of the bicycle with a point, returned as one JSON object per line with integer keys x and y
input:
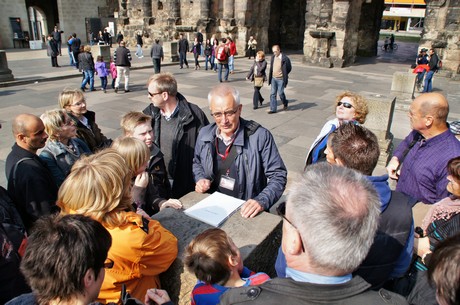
{"x": 395, "y": 47}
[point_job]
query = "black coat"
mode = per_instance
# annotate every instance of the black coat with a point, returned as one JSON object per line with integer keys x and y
{"x": 192, "y": 119}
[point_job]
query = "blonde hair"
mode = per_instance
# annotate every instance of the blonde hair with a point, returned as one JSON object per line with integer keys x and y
{"x": 67, "y": 96}
{"x": 360, "y": 105}
{"x": 87, "y": 48}
{"x": 98, "y": 186}
{"x": 261, "y": 54}
{"x": 135, "y": 152}
{"x": 133, "y": 119}
{"x": 53, "y": 121}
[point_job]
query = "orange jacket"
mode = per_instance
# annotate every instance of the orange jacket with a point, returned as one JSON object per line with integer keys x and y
{"x": 139, "y": 257}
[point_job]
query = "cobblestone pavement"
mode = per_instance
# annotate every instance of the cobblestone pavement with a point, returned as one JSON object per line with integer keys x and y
{"x": 311, "y": 93}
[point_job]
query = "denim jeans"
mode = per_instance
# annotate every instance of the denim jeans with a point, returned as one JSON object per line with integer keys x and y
{"x": 139, "y": 52}
{"x": 219, "y": 73}
{"x": 183, "y": 59}
{"x": 207, "y": 59}
{"x": 156, "y": 65}
{"x": 104, "y": 82}
{"x": 213, "y": 63}
{"x": 277, "y": 87}
{"x": 428, "y": 87}
{"x": 89, "y": 77}
{"x": 231, "y": 63}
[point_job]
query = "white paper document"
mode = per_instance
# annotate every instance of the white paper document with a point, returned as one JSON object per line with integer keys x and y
{"x": 215, "y": 208}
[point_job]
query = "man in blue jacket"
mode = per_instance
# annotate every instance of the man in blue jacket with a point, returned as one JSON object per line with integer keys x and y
{"x": 238, "y": 157}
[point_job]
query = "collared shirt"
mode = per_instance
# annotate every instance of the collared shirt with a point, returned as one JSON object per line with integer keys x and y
{"x": 175, "y": 111}
{"x": 300, "y": 276}
{"x": 424, "y": 169}
{"x": 227, "y": 141}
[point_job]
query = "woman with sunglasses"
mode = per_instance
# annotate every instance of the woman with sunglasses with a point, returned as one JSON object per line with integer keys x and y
{"x": 62, "y": 149}
{"x": 349, "y": 106}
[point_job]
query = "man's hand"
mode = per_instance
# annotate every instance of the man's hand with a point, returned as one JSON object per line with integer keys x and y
{"x": 142, "y": 180}
{"x": 392, "y": 168}
{"x": 251, "y": 208}
{"x": 202, "y": 186}
{"x": 171, "y": 203}
{"x": 156, "y": 296}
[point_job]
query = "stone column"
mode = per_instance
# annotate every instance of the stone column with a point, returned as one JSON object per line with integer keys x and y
{"x": 241, "y": 7}
{"x": 5, "y": 73}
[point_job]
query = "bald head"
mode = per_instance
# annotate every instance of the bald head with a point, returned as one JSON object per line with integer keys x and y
{"x": 29, "y": 132}
{"x": 434, "y": 104}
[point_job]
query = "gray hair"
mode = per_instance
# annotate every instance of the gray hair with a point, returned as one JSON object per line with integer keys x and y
{"x": 223, "y": 90}
{"x": 336, "y": 211}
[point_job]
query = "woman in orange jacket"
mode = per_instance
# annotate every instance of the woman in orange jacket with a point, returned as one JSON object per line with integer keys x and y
{"x": 99, "y": 186}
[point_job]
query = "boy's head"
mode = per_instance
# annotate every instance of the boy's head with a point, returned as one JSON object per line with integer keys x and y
{"x": 212, "y": 256}
{"x": 138, "y": 125}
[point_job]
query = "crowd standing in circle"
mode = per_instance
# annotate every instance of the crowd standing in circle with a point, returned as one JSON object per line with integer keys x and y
{"x": 171, "y": 149}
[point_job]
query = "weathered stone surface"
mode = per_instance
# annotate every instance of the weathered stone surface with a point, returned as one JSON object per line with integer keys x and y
{"x": 403, "y": 82}
{"x": 5, "y": 73}
{"x": 170, "y": 49}
{"x": 258, "y": 240}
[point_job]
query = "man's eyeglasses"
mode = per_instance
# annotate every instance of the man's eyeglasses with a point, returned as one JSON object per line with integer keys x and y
{"x": 345, "y": 104}
{"x": 281, "y": 210}
{"x": 153, "y": 94}
{"x": 108, "y": 264}
{"x": 228, "y": 113}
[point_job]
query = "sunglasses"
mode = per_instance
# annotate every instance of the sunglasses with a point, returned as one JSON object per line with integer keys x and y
{"x": 281, "y": 210}
{"x": 345, "y": 104}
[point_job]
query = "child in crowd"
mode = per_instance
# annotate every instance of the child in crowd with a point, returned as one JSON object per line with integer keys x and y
{"x": 144, "y": 191}
{"x": 216, "y": 262}
{"x": 113, "y": 72}
{"x": 102, "y": 71}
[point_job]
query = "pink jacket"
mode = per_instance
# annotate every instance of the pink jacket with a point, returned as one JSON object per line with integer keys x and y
{"x": 113, "y": 70}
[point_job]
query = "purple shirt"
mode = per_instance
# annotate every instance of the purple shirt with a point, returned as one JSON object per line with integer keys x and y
{"x": 424, "y": 170}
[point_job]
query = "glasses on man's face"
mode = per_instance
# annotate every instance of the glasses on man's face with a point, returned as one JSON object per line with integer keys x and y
{"x": 281, "y": 210}
{"x": 108, "y": 264}
{"x": 345, "y": 104}
{"x": 153, "y": 94}
{"x": 228, "y": 113}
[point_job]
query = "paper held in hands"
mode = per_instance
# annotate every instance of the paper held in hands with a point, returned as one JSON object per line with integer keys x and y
{"x": 215, "y": 209}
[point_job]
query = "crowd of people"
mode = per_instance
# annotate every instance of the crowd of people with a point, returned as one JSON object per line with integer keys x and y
{"x": 79, "y": 228}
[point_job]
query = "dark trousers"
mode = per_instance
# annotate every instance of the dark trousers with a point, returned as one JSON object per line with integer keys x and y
{"x": 256, "y": 97}
{"x": 104, "y": 82}
{"x": 183, "y": 59}
{"x": 156, "y": 65}
{"x": 54, "y": 62}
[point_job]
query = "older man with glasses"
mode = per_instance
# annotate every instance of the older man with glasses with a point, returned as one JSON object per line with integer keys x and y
{"x": 238, "y": 157}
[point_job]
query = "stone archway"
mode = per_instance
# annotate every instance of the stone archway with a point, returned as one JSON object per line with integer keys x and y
{"x": 287, "y": 23}
{"x": 49, "y": 12}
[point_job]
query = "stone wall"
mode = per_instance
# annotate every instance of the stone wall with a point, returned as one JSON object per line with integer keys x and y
{"x": 11, "y": 8}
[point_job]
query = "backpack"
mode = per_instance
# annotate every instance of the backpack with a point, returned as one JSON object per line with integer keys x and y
{"x": 11, "y": 223}
{"x": 221, "y": 53}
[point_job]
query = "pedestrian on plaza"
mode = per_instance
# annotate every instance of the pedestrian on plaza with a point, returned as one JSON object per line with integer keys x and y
{"x": 113, "y": 72}
{"x": 73, "y": 62}
{"x": 252, "y": 46}
{"x": 107, "y": 37}
{"x": 231, "y": 59}
{"x": 119, "y": 37}
{"x": 433, "y": 64}
{"x": 422, "y": 67}
{"x": 91, "y": 38}
{"x": 139, "y": 44}
{"x": 207, "y": 53}
{"x": 102, "y": 72}
{"x": 222, "y": 55}
{"x": 52, "y": 50}
{"x": 157, "y": 55}
{"x": 215, "y": 44}
{"x": 86, "y": 64}
{"x": 257, "y": 75}
{"x": 75, "y": 44}
{"x": 58, "y": 38}
{"x": 280, "y": 68}
{"x": 196, "y": 50}
{"x": 392, "y": 41}
{"x": 122, "y": 58}
{"x": 183, "y": 49}
{"x": 100, "y": 38}
{"x": 386, "y": 43}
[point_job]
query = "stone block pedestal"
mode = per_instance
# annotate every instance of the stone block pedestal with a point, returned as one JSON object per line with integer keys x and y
{"x": 170, "y": 50}
{"x": 103, "y": 51}
{"x": 5, "y": 73}
{"x": 403, "y": 84}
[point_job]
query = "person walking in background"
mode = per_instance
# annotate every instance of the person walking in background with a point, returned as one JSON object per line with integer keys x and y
{"x": 252, "y": 46}
{"x": 257, "y": 75}
{"x": 122, "y": 58}
{"x": 214, "y": 43}
{"x": 157, "y": 55}
{"x": 58, "y": 38}
{"x": 86, "y": 64}
{"x": 231, "y": 58}
{"x": 91, "y": 38}
{"x": 52, "y": 50}
{"x": 69, "y": 50}
{"x": 113, "y": 72}
{"x": 196, "y": 50}
{"x": 280, "y": 68}
{"x": 207, "y": 53}
{"x": 433, "y": 64}
{"x": 139, "y": 44}
{"x": 119, "y": 37}
{"x": 75, "y": 44}
{"x": 222, "y": 55}
{"x": 183, "y": 49}
{"x": 102, "y": 72}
